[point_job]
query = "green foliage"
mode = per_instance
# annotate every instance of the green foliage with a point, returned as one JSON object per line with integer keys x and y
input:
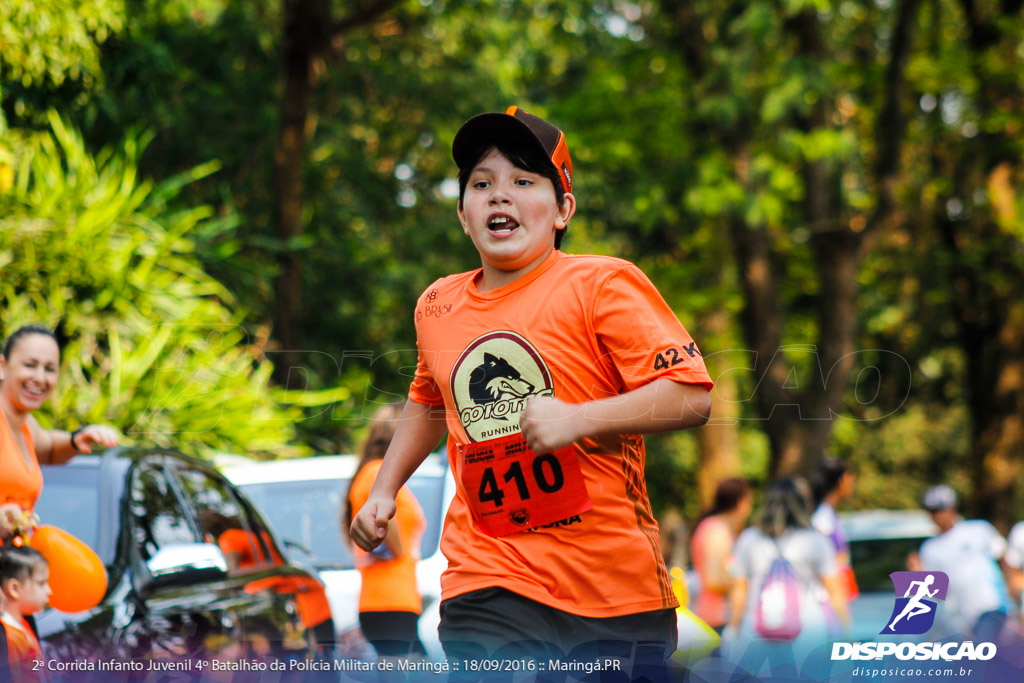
{"x": 682, "y": 118}
{"x": 46, "y": 43}
{"x": 898, "y": 457}
{"x": 155, "y": 347}
{"x": 673, "y": 463}
{"x": 51, "y": 40}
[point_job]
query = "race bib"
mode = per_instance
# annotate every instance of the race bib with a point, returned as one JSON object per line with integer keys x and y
{"x": 512, "y": 489}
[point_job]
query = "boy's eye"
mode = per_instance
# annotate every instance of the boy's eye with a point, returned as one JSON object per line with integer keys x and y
{"x": 524, "y": 182}
{"x": 481, "y": 184}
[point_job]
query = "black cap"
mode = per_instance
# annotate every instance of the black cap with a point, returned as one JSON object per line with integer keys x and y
{"x": 516, "y": 124}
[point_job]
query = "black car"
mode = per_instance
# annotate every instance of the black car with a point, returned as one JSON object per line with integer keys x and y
{"x": 196, "y": 578}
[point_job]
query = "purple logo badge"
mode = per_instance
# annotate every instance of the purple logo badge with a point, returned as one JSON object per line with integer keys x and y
{"x": 917, "y": 594}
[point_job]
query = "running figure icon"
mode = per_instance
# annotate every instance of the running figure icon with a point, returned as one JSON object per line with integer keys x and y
{"x": 914, "y": 606}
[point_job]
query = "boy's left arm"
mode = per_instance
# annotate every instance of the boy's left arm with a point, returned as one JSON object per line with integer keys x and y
{"x": 664, "y": 405}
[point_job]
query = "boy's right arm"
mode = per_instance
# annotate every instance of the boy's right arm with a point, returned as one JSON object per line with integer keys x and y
{"x": 419, "y": 429}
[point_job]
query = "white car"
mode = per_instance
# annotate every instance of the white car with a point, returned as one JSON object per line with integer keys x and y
{"x": 302, "y": 498}
{"x": 880, "y": 542}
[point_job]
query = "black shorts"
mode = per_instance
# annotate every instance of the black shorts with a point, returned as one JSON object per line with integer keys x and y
{"x": 496, "y": 624}
{"x": 392, "y": 634}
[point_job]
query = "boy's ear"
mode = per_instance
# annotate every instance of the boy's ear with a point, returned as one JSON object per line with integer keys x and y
{"x": 566, "y": 211}
{"x": 462, "y": 219}
{"x": 11, "y": 589}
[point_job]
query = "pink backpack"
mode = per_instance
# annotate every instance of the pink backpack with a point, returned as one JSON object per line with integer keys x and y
{"x": 777, "y": 611}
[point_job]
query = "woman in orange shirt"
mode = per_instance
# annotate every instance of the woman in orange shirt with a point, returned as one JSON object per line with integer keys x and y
{"x": 389, "y": 602}
{"x": 29, "y": 366}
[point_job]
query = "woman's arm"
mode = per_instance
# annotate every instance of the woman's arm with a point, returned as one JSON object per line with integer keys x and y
{"x": 54, "y": 446}
{"x": 716, "y": 576}
{"x": 737, "y": 601}
{"x": 836, "y": 589}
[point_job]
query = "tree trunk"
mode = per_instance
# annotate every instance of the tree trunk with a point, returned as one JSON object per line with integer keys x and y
{"x": 718, "y": 442}
{"x": 797, "y": 412}
{"x": 999, "y": 445}
{"x": 308, "y": 35}
{"x": 988, "y": 280}
{"x": 991, "y": 331}
{"x": 289, "y": 168}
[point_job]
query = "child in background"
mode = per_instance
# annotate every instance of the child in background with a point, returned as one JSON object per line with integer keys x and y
{"x": 24, "y": 576}
{"x": 389, "y": 600}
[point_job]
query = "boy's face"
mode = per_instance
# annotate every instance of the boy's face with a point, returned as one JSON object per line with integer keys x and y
{"x": 511, "y": 215}
{"x": 34, "y": 590}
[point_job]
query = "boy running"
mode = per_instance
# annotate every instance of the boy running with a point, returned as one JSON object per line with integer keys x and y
{"x": 545, "y": 369}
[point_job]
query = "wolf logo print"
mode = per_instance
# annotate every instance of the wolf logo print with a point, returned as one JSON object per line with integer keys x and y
{"x": 495, "y": 379}
{"x": 917, "y": 596}
{"x": 491, "y": 381}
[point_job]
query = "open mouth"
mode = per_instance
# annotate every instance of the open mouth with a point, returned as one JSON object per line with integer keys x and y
{"x": 35, "y": 393}
{"x": 502, "y": 225}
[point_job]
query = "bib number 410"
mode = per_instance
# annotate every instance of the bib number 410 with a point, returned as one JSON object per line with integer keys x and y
{"x": 511, "y": 489}
{"x": 547, "y": 476}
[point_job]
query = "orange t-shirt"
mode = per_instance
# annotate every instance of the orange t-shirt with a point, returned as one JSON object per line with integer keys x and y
{"x": 247, "y": 548}
{"x": 578, "y": 328}
{"x": 23, "y": 649}
{"x": 389, "y": 585}
{"x": 20, "y": 481}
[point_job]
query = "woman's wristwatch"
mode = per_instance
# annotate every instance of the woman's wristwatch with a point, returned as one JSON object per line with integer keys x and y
{"x": 73, "y": 435}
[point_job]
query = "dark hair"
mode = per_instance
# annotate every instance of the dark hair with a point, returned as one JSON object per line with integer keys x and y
{"x": 521, "y": 156}
{"x": 786, "y": 505}
{"x": 19, "y": 562}
{"x": 382, "y": 428}
{"x": 827, "y": 477}
{"x": 728, "y": 495}
{"x": 25, "y": 331}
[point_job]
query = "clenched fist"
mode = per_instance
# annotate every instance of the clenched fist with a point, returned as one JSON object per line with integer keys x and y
{"x": 548, "y": 424}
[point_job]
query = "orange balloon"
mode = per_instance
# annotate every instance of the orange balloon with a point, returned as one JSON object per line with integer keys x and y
{"x": 78, "y": 579}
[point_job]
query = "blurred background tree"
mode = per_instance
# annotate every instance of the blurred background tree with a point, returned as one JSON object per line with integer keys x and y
{"x": 154, "y": 345}
{"x": 826, "y": 191}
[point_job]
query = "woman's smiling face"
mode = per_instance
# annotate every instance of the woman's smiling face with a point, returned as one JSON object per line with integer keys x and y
{"x": 30, "y": 372}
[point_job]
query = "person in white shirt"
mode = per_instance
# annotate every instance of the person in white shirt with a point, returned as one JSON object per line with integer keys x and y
{"x": 970, "y": 553}
{"x": 833, "y": 483}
